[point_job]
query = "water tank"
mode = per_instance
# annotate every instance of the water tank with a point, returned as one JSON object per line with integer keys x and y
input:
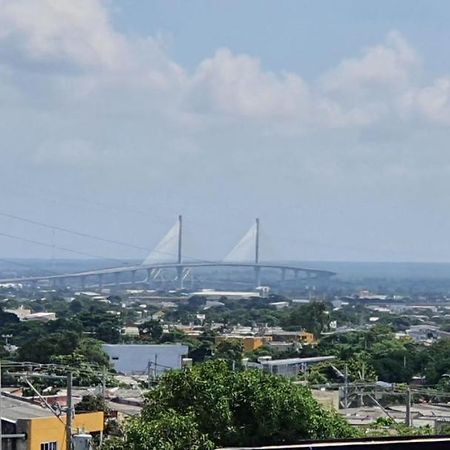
{"x": 82, "y": 441}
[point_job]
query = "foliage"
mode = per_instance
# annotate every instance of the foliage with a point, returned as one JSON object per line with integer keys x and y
{"x": 358, "y": 369}
{"x": 313, "y": 317}
{"x": 230, "y": 350}
{"x": 150, "y": 330}
{"x": 91, "y": 403}
{"x": 438, "y": 363}
{"x": 167, "y": 430}
{"x": 385, "y": 426}
{"x": 7, "y": 318}
{"x": 228, "y": 408}
{"x": 392, "y": 359}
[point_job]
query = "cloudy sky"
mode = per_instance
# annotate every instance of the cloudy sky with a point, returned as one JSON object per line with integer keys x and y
{"x": 328, "y": 120}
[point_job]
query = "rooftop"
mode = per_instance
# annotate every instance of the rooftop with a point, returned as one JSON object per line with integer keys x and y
{"x": 13, "y": 409}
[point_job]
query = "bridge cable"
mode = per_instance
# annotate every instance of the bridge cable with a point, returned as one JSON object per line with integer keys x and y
{"x": 91, "y": 236}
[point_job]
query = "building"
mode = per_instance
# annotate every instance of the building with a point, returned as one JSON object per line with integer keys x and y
{"x": 232, "y": 295}
{"x": 32, "y": 427}
{"x": 301, "y": 337}
{"x": 145, "y": 359}
{"x": 291, "y": 367}
{"x": 26, "y": 314}
{"x": 249, "y": 343}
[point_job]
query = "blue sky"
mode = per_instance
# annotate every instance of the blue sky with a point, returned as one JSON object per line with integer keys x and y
{"x": 295, "y": 35}
{"x": 328, "y": 120}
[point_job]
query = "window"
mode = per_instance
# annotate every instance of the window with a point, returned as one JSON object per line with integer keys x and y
{"x": 49, "y": 446}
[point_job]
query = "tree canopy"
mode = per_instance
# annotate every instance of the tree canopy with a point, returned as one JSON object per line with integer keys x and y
{"x": 210, "y": 405}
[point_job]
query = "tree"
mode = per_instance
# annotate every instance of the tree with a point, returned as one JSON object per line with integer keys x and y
{"x": 150, "y": 330}
{"x": 7, "y": 318}
{"x": 227, "y": 408}
{"x": 168, "y": 430}
{"x": 230, "y": 350}
{"x": 313, "y": 317}
{"x": 92, "y": 403}
{"x": 46, "y": 346}
{"x": 438, "y": 363}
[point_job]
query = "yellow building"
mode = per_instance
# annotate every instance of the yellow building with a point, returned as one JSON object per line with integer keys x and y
{"x": 38, "y": 429}
{"x": 302, "y": 337}
{"x": 249, "y": 343}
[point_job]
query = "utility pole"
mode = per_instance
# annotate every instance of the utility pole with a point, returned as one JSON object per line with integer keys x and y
{"x": 104, "y": 383}
{"x": 149, "y": 366}
{"x": 1, "y": 409}
{"x": 69, "y": 412}
{"x": 346, "y": 387}
{"x": 408, "y": 416}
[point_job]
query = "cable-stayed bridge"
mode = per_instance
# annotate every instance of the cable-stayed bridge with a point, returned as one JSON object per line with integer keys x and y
{"x": 168, "y": 256}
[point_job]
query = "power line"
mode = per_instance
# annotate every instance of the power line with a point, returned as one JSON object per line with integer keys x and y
{"x": 70, "y": 231}
{"x": 44, "y": 244}
{"x": 28, "y": 266}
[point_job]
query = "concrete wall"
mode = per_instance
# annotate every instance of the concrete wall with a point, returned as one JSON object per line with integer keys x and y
{"x": 136, "y": 359}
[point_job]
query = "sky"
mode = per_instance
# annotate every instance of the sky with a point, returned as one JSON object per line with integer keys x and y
{"x": 330, "y": 121}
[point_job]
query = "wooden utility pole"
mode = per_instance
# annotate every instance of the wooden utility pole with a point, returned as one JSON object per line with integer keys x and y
{"x": 69, "y": 412}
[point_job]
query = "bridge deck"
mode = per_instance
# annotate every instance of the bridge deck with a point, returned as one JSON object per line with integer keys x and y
{"x": 134, "y": 268}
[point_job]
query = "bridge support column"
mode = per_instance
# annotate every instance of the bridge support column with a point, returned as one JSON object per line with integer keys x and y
{"x": 257, "y": 276}
{"x": 83, "y": 281}
{"x": 133, "y": 278}
{"x": 180, "y": 273}
{"x": 149, "y": 276}
{"x": 62, "y": 283}
{"x": 116, "y": 280}
{"x": 296, "y": 272}
{"x": 100, "y": 280}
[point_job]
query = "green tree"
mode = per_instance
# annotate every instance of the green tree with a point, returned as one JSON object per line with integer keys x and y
{"x": 226, "y": 408}
{"x": 91, "y": 403}
{"x": 150, "y": 330}
{"x": 438, "y": 363}
{"x": 230, "y": 350}
{"x": 313, "y": 317}
{"x": 167, "y": 430}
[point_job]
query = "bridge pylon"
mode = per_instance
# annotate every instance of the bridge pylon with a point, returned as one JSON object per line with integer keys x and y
{"x": 180, "y": 268}
{"x": 257, "y": 268}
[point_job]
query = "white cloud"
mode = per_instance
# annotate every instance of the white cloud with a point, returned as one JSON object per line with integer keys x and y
{"x": 74, "y": 32}
{"x": 431, "y": 103}
{"x": 387, "y": 66}
{"x": 237, "y": 85}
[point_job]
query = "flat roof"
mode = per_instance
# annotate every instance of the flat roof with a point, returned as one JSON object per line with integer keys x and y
{"x": 285, "y": 362}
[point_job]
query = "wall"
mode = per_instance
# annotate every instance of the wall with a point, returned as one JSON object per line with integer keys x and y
{"x": 135, "y": 359}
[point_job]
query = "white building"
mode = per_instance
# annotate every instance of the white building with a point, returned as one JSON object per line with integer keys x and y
{"x": 145, "y": 359}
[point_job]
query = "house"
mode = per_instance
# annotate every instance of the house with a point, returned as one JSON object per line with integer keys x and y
{"x": 32, "y": 427}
